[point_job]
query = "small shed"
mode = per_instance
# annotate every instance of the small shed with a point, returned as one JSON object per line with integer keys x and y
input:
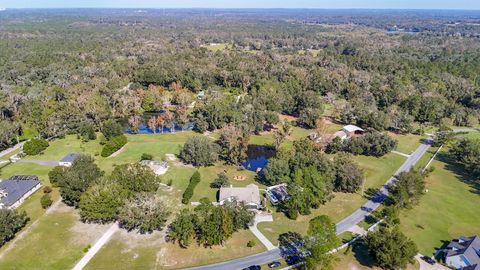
{"x": 67, "y": 161}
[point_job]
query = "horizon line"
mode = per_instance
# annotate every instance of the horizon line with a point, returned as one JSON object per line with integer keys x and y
{"x": 239, "y": 8}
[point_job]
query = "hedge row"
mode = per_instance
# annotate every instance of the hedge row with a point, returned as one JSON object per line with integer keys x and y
{"x": 113, "y": 145}
{"x": 35, "y": 146}
{"x": 188, "y": 194}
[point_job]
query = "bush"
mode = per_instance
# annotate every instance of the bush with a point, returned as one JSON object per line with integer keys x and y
{"x": 188, "y": 194}
{"x": 113, "y": 145}
{"x": 47, "y": 189}
{"x": 87, "y": 132}
{"x": 46, "y": 201}
{"x": 35, "y": 146}
{"x": 251, "y": 243}
{"x": 146, "y": 156}
{"x": 56, "y": 175}
{"x": 220, "y": 181}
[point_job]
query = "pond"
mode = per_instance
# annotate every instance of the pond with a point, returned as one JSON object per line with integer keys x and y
{"x": 144, "y": 129}
{"x": 257, "y": 157}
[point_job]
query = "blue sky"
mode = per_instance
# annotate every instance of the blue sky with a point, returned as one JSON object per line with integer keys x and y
{"x": 402, "y": 4}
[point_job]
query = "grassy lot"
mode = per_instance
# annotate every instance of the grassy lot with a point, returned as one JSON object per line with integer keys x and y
{"x": 449, "y": 209}
{"x": 407, "y": 143}
{"x": 56, "y": 241}
{"x": 151, "y": 252}
{"x": 377, "y": 172}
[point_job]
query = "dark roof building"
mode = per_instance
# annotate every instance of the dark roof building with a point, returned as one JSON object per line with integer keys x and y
{"x": 16, "y": 189}
{"x": 68, "y": 159}
{"x": 463, "y": 253}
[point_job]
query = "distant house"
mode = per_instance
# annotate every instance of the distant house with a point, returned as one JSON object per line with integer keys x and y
{"x": 158, "y": 167}
{"x": 352, "y": 130}
{"x": 67, "y": 161}
{"x": 348, "y": 131}
{"x": 201, "y": 95}
{"x": 463, "y": 253}
{"x": 277, "y": 193}
{"x": 249, "y": 195}
{"x": 16, "y": 189}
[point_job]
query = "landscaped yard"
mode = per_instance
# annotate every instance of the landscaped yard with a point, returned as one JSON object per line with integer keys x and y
{"x": 449, "y": 209}
{"x": 407, "y": 143}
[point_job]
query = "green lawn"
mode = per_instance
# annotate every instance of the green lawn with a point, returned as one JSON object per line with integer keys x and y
{"x": 407, "y": 143}
{"x": 51, "y": 243}
{"x": 449, "y": 209}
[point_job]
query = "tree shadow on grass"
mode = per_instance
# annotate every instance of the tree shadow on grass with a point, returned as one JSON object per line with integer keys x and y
{"x": 360, "y": 252}
{"x": 460, "y": 171}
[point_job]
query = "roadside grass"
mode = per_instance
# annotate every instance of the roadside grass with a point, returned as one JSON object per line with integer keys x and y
{"x": 151, "y": 252}
{"x": 448, "y": 210}
{"x": 7, "y": 156}
{"x": 377, "y": 172}
{"x": 407, "y": 143}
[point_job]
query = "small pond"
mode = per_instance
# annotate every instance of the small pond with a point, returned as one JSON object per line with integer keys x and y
{"x": 144, "y": 129}
{"x": 257, "y": 157}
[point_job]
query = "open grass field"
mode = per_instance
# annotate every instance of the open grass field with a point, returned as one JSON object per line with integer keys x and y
{"x": 56, "y": 241}
{"x": 214, "y": 47}
{"x": 449, "y": 209}
{"x": 407, "y": 143}
{"x": 151, "y": 252}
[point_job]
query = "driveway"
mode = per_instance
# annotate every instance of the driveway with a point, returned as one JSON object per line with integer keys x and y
{"x": 426, "y": 266}
{"x": 40, "y": 162}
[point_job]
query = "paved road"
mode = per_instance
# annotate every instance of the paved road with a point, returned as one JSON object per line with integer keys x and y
{"x": 378, "y": 198}
{"x": 11, "y": 149}
{"x": 342, "y": 226}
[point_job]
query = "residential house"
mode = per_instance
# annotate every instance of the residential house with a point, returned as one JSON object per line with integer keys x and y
{"x": 16, "y": 189}
{"x": 463, "y": 253}
{"x": 348, "y": 131}
{"x": 277, "y": 193}
{"x": 249, "y": 195}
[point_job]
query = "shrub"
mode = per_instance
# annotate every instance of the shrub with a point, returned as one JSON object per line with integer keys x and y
{"x": 220, "y": 181}
{"x": 56, "y": 175}
{"x": 47, "y": 189}
{"x": 46, "y": 201}
{"x": 251, "y": 243}
{"x": 87, "y": 132}
{"x": 188, "y": 194}
{"x": 146, "y": 156}
{"x": 87, "y": 248}
{"x": 35, "y": 146}
{"x": 113, "y": 145}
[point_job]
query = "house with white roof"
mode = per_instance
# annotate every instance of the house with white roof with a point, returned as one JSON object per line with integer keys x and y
{"x": 249, "y": 195}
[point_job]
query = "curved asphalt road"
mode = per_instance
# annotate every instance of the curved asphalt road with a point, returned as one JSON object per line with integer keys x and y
{"x": 342, "y": 226}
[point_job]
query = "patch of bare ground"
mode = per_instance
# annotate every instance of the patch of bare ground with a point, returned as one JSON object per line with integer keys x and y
{"x": 87, "y": 233}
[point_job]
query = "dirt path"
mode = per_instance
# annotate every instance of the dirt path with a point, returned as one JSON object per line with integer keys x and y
{"x": 119, "y": 151}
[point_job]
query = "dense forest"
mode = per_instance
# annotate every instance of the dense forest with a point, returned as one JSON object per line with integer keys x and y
{"x": 64, "y": 70}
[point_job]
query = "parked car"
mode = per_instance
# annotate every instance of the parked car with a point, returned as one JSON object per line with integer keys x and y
{"x": 253, "y": 267}
{"x": 429, "y": 260}
{"x": 274, "y": 264}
